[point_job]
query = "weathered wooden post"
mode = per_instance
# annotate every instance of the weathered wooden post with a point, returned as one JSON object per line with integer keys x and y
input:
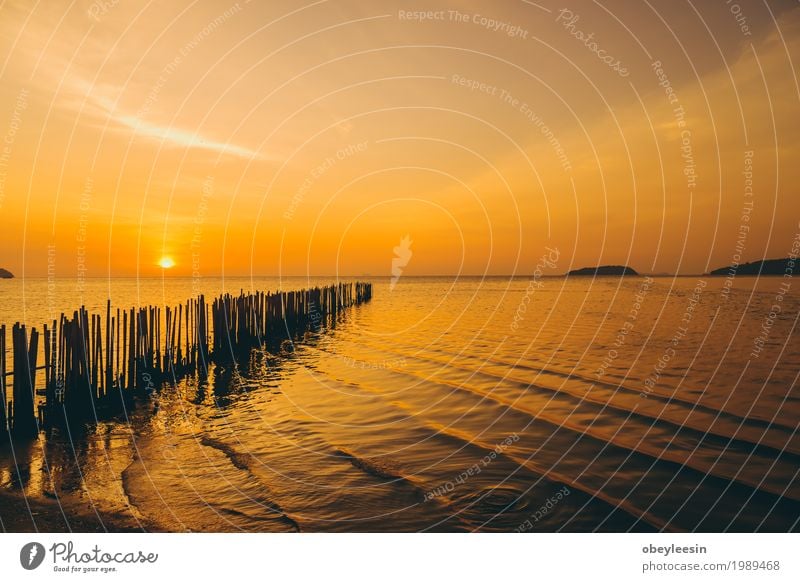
{"x": 25, "y": 356}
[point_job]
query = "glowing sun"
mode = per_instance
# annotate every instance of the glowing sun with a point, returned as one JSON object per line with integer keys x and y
{"x": 166, "y": 262}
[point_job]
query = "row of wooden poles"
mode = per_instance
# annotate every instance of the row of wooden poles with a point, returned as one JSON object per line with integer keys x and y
{"x": 93, "y": 366}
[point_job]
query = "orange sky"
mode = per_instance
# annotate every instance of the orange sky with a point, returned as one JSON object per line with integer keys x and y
{"x": 298, "y": 138}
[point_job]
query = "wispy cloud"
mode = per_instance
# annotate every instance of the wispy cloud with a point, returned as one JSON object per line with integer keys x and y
{"x": 96, "y": 99}
{"x": 182, "y": 138}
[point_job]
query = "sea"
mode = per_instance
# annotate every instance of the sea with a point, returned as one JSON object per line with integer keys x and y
{"x": 491, "y": 404}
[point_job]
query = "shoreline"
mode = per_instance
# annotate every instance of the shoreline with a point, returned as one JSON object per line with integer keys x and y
{"x": 45, "y": 516}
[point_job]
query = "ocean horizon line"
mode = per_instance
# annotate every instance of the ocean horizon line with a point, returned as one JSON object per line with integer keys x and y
{"x": 388, "y": 277}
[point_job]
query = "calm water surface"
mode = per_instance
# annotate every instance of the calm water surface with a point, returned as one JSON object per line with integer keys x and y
{"x": 476, "y": 404}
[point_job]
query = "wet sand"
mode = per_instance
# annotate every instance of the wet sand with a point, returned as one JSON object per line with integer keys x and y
{"x": 45, "y": 515}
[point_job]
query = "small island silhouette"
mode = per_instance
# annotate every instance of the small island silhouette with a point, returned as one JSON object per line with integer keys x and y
{"x": 6, "y": 274}
{"x": 603, "y": 271}
{"x": 770, "y": 267}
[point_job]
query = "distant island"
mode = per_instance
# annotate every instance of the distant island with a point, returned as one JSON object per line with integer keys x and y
{"x": 766, "y": 267}
{"x": 603, "y": 271}
{"x": 6, "y": 274}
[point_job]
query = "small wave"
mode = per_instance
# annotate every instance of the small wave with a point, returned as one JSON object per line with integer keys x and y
{"x": 477, "y": 366}
{"x": 238, "y": 460}
{"x": 678, "y": 452}
{"x": 127, "y": 492}
{"x": 497, "y": 499}
{"x": 380, "y": 469}
{"x": 242, "y": 462}
{"x": 550, "y": 475}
